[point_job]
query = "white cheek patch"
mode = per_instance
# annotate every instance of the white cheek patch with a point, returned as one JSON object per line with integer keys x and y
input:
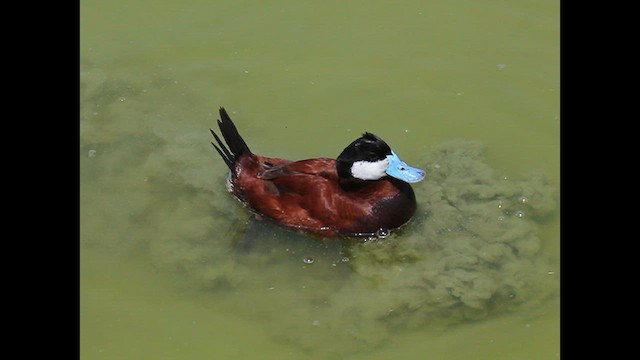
{"x": 366, "y": 170}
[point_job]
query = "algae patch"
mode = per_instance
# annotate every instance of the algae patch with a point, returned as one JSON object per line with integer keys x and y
{"x": 474, "y": 249}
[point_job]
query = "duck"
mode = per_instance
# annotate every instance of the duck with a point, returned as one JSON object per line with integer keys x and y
{"x": 363, "y": 193}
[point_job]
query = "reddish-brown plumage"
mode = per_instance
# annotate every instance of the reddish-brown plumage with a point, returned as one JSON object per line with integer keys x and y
{"x": 307, "y": 195}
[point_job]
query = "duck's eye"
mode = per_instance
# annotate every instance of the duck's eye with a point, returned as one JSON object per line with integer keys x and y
{"x": 401, "y": 168}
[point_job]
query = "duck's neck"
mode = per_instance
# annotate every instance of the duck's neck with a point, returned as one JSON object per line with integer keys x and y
{"x": 353, "y": 184}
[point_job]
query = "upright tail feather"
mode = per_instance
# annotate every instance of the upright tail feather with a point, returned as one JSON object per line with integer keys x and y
{"x": 235, "y": 143}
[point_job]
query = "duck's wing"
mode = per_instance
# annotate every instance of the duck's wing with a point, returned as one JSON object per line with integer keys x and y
{"x": 323, "y": 167}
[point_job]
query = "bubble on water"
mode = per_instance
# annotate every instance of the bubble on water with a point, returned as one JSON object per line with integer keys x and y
{"x": 92, "y": 153}
{"x": 523, "y": 199}
{"x": 345, "y": 259}
{"x": 519, "y": 214}
{"x": 315, "y": 322}
{"x": 501, "y": 67}
{"x": 308, "y": 260}
{"x": 382, "y": 233}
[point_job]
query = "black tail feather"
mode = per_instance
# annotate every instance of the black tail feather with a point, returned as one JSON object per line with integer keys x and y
{"x": 231, "y": 136}
{"x": 226, "y": 155}
{"x": 235, "y": 142}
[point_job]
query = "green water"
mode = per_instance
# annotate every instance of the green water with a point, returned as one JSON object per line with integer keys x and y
{"x": 172, "y": 267}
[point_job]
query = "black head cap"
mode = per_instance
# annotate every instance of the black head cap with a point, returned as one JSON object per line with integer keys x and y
{"x": 368, "y": 147}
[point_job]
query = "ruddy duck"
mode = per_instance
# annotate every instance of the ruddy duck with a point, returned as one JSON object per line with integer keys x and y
{"x": 362, "y": 193}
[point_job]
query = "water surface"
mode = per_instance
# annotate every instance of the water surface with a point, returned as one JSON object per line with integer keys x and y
{"x": 173, "y": 267}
